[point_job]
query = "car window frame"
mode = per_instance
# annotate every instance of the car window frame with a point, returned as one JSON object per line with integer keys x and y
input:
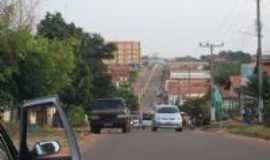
{"x": 8, "y": 144}
{"x": 24, "y": 152}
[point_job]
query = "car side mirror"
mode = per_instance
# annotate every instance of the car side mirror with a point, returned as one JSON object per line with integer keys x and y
{"x": 46, "y": 148}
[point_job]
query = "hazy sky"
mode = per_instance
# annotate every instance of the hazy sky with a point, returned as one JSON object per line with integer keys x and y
{"x": 169, "y": 27}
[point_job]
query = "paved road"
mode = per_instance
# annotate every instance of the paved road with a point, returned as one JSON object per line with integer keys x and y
{"x": 169, "y": 145}
{"x": 152, "y": 85}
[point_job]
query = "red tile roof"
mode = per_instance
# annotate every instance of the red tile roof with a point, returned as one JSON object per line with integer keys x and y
{"x": 186, "y": 66}
{"x": 226, "y": 93}
{"x": 266, "y": 66}
{"x": 184, "y": 87}
{"x": 235, "y": 81}
{"x": 118, "y": 72}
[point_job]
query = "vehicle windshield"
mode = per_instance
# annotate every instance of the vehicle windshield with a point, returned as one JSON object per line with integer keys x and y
{"x": 128, "y": 73}
{"x": 167, "y": 110}
{"x": 147, "y": 117}
{"x": 43, "y": 126}
{"x": 108, "y": 104}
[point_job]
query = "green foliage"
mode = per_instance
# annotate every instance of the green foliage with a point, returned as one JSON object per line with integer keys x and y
{"x": 236, "y": 56}
{"x": 126, "y": 93}
{"x": 60, "y": 59}
{"x": 47, "y": 65}
{"x": 253, "y": 90}
{"x": 133, "y": 76}
{"x": 76, "y": 115}
{"x": 53, "y": 26}
{"x": 231, "y": 66}
{"x": 197, "y": 107}
{"x": 223, "y": 70}
{"x": 253, "y": 86}
{"x": 7, "y": 12}
{"x": 89, "y": 78}
{"x": 32, "y": 66}
{"x": 230, "y": 56}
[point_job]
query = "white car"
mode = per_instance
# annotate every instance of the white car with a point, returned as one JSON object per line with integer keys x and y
{"x": 167, "y": 116}
{"x": 146, "y": 120}
{"x": 135, "y": 123}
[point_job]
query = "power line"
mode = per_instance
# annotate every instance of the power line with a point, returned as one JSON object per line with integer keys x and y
{"x": 259, "y": 61}
{"x": 212, "y": 47}
{"x": 226, "y": 17}
{"x": 231, "y": 23}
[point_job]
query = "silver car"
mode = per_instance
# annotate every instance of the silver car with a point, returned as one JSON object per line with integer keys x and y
{"x": 167, "y": 116}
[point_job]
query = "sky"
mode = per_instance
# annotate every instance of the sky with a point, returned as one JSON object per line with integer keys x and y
{"x": 170, "y": 28}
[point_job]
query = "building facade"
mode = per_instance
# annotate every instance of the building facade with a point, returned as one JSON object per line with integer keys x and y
{"x": 230, "y": 92}
{"x": 119, "y": 73}
{"x": 179, "y": 90}
{"x": 127, "y": 53}
{"x": 187, "y": 80}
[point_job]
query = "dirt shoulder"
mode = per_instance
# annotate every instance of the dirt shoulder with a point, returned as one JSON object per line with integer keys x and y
{"x": 88, "y": 140}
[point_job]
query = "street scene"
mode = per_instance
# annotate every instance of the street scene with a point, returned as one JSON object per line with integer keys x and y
{"x": 98, "y": 80}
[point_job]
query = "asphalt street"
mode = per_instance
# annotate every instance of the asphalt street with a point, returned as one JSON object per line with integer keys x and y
{"x": 152, "y": 85}
{"x": 170, "y": 145}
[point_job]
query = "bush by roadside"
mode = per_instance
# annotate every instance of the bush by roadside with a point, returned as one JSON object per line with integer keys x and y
{"x": 76, "y": 116}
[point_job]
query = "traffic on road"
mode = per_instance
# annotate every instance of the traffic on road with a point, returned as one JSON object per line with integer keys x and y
{"x": 134, "y": 80}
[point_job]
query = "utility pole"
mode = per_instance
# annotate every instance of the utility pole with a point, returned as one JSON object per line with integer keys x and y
{"x": 212, "y": 83}
{"x": 259, "y": 62}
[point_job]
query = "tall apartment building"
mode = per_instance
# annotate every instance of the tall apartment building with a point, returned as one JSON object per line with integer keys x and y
{"x": 127, "y": 53}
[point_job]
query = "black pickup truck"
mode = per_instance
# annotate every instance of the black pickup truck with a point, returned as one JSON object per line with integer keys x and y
{"x": 110, "y": 113}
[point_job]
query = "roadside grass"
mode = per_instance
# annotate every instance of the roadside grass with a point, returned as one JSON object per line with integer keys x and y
{"x": 237, "y": 127}
{"x": 253, "y": 130}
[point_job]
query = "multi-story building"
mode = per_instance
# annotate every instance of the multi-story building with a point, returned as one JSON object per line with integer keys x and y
{"x": 127, "y": 53}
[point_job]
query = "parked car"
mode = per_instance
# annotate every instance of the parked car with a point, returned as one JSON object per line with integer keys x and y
{"x": 146, "y": 120}
{"x": 167, "y": 116}
{"x": 110, "y": 113}
{"x": 44, "y": 149}
{"x": 135, "y": 121}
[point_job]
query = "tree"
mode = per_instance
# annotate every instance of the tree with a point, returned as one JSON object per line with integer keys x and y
{"x": 53, "y": 26}
{"x": 44, "y": 70}
{"x": 222, "y": 70}
{"x": 230, "y": 56}
{"x": 127, "y": 94}
{"x": 31, "y": 66}
{"x": 231, "y": 64}
{"x": 198, "y": 108}
{"x": 236, "y": 56}
{"x": 252, "y": 88}
{"x": 89, "y": 78}
{"x": 20, "y": 13}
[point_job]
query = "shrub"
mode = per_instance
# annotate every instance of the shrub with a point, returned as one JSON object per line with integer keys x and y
{"x": 76, "y": 115}
{"x": 199, "y": 109}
